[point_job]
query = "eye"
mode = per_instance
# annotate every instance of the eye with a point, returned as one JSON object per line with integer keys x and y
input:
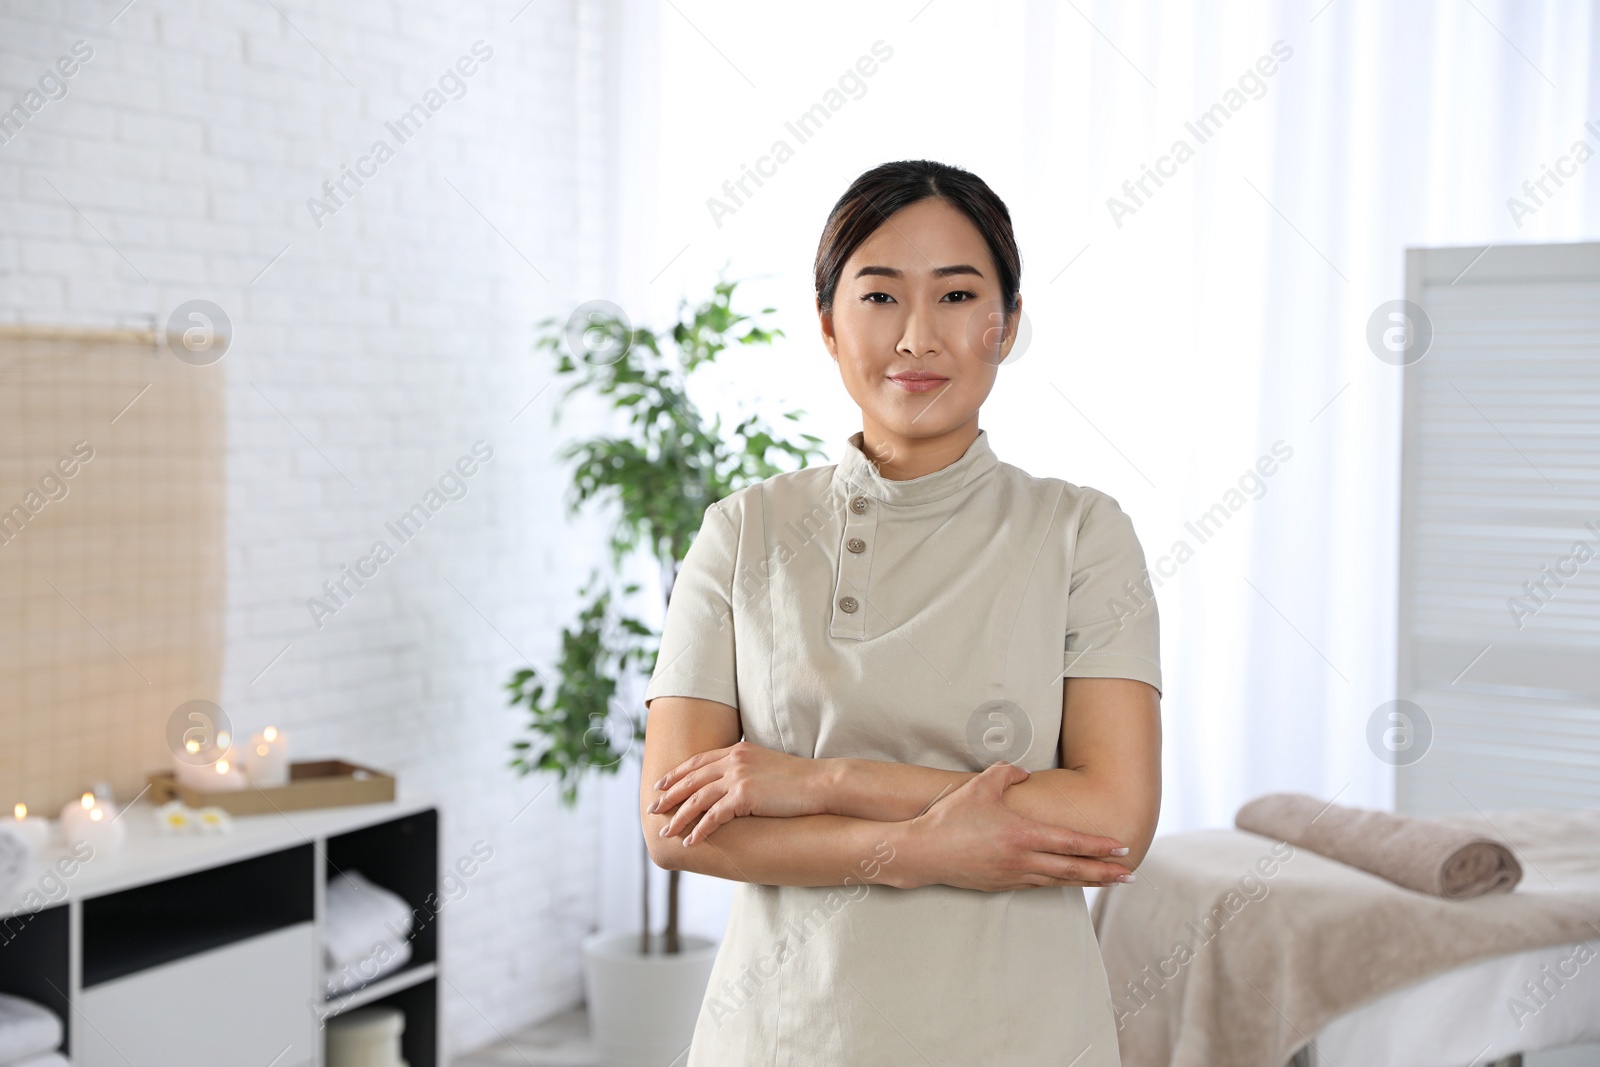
{"x": 872, "y": 298}
{"x": 961, "y": 296}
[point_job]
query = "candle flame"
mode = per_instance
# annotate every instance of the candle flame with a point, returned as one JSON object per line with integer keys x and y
{"x": 192, "y": 746}
{"x": 96, "y": 814}
{"x": 88, "y": 800}
{"x": 224, "y": 740}
{"x": 22, "y": 811}
{"x": 270, "y": 733}
{"x": 222, "y": 766}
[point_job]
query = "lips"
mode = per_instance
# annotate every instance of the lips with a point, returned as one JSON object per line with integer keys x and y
{"x": 918, "y": 381}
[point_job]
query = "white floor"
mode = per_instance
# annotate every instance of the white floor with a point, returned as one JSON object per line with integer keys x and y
{"x": 561, "y": 1041}
{"x": 1587, "y": 1056}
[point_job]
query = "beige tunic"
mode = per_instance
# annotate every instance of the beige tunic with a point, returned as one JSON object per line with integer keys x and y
{"x": 928, "y": 621}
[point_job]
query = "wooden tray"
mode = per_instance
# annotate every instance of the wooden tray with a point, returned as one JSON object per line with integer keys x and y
{"x": 316, "y": 784}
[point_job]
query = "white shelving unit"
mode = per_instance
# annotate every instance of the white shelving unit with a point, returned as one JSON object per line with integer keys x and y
{"x": 208, "y": 949}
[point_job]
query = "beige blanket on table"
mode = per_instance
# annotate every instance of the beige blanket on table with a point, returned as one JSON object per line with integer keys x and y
{"x": 1236, "y": 949}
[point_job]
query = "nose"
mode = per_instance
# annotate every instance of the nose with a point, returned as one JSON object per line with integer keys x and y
{"x": 919, "y": 337}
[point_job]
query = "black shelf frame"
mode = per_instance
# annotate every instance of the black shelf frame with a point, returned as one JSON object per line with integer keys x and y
{"x": 36, "y": 960}
{"x": 402, "y": 856}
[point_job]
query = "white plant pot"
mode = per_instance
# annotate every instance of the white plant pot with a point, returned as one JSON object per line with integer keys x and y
{"x": 642, "y": 1009}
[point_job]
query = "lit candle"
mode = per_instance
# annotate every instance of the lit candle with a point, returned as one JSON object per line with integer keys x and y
{"x": 93, "y": 822}
{"x": 266, "y": 761}
{"x": 223, "y": 775}
{"x": 34, "y": 830}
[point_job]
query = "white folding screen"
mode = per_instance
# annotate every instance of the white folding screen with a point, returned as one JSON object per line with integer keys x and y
{"x": 1499, "y": 561}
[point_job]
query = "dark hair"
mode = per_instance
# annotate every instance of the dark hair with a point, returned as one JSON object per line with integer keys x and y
{"x": 885, "y": 189}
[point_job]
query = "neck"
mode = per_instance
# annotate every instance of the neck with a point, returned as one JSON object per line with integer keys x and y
{"x": 900, "y": 458}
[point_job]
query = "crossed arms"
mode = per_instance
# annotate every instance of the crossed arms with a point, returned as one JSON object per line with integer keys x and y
{"x": 716, "y": 805}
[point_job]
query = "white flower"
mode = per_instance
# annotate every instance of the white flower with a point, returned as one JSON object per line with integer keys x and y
{"x": 214, "y": 820}
{"x": 174, "y": 817}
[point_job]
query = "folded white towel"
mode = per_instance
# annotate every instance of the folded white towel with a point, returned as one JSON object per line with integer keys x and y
{"x": 26, "y": 1029}
{"x": 359, "y": 915}
{"x": 16, "y": 858}
{"x": 49, "y": 1059}
{"x": 383, "y": 959}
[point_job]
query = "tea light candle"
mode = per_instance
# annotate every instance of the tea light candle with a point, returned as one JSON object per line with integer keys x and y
{"x": 34, "y": 830}
{"x": 93, "y": 822}
{"x": 224, "y": 775}
{"x": 266, "y": 761}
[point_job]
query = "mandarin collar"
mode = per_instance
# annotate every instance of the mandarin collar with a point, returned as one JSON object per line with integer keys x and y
{"x": 858, "y": 474}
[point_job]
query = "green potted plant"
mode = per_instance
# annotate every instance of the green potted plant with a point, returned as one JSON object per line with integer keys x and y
{"x": 658, "y": 477}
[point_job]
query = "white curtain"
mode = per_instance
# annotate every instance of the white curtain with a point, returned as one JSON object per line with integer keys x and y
{"x": 1180, "y": 340}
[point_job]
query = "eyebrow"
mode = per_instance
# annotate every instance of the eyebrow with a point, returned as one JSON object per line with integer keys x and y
{"x": 938, "y": 272}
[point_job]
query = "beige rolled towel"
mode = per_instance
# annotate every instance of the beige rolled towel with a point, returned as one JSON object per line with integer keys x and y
{"x": 1422, "y": 854}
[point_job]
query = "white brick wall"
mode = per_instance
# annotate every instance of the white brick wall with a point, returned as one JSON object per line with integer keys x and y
{"x": 392, "y": 338}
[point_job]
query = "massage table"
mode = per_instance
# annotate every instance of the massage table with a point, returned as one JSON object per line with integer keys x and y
{"x": 1291, "y": 957}
{"x": 1449, "y": 1020}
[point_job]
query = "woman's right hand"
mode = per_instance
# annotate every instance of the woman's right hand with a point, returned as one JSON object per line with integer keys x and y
{"x": 970, "y": 839}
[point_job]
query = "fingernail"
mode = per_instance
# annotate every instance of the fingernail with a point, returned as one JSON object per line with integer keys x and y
{"x": 1127, "y": 877}
{"x": 1115, "y": 852}
{"x": 662, "y": 782}
{"x": 686, "y": 839}
{"x": 662, "y": 832}
{"x": 654, "y": 804}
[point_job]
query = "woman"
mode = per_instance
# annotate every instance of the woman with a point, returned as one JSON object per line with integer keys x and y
{"x": 946, "y": 676}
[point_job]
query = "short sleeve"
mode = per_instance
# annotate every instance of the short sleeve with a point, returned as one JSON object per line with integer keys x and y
{"x": 697, "y": 649}
{"x": 1113, "y": 629}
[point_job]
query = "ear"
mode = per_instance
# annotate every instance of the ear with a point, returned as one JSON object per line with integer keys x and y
{"x": 1013, "y": 325}
{"x": 825, "y": 320}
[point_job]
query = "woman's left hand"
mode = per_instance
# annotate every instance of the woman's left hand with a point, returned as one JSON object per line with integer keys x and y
{"x": 721, "y": 784}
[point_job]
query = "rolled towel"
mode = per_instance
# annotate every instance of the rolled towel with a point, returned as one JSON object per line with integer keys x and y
{"x": 1427, "y": 855}
{"x": 359, "y": 915}
{"x": 26, "y": 1029}
{"x": 16, "y": 858}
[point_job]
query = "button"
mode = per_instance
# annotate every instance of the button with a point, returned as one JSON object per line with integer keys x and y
{"x": 855, "y": 544}
{"x": 858, "y": 505}
{"x": 848, "y": 604}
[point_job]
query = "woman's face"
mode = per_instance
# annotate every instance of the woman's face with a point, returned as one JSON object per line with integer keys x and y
{"x": 916, "y": 326}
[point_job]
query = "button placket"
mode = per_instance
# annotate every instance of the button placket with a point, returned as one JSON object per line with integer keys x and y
{"x": 850, "y": 607}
